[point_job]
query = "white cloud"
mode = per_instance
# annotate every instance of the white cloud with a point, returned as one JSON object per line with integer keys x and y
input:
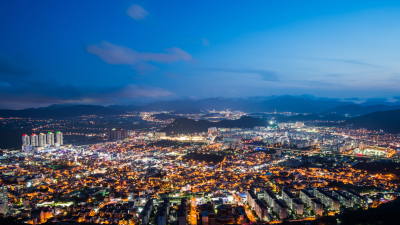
{"x": 205, "y": 41}
{"x": 137, "y": 12}
{"x": 134, "y": 91}
{"x": 4, "y": 84}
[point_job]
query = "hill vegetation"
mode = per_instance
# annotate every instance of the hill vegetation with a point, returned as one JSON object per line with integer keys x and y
{"x": 163, "y": 116}
{"x": 388, "y": 121}
{"x": 360, "y": 189}
{"x": 189, "y": 126}
{"x": 380, "y": 167}
{"x": 210, "y": 158}
{"x": 358, "y": 110}
{"x": 386, "y": 213}
{"x": 312, "y": 118}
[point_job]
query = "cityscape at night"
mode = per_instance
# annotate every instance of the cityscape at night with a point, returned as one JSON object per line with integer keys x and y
{"x": 200, "y": 112}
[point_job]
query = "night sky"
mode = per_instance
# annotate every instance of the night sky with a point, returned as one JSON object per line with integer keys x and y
{"x": 124, "y": 52}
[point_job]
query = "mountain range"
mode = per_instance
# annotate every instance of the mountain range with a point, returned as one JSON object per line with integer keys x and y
{"x": 297, "y": 104}
{"x": 59, "y": 112}
{"x": 388, "y": 121}
{"x": 357, "y": 110}
{"x": 286, "y": 103}
{"x": 312, "y": 117}
{"x": 374, "y": 118}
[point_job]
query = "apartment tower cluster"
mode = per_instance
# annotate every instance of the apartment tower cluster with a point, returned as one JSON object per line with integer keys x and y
{"x": 42, "y": 140}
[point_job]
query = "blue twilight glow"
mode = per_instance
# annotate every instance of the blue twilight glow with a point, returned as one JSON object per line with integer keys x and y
{"x": 119, "y": 52}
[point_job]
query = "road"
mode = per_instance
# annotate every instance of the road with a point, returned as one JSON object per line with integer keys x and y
{"x": 249, "y": 213}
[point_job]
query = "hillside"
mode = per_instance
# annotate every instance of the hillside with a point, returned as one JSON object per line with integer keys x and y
{"x": 163, "y": 116}
{"x": 61, "y": 112}
{"x": 386, "y": 213}
{"x": 189, "y": 126}
{"x": 312, "y": 118}
{"x": 357, "y": 110}
{"x": 388, "y": 121}
{"x": 124, "y": 108}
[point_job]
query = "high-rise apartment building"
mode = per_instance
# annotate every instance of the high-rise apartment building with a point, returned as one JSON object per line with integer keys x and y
{"x": 3, "y": 199}
{"x": 34, "y": 140}
{"x": 50, "y": 139}
{"x": 25, "y": 140}
{"x": 117, "y": 134}
{"x": 59, "y": 138}
{"x": 42, "y": 139}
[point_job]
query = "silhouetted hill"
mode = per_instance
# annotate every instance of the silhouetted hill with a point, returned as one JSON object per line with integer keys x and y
{"x": 211, "y": 115}
{"x": 358, "y": 110}
{"x": 387, "y": 213}
{"x": 124, "y": 107}
{"x": 210, "y": 103}
{"x": 334, "y": 117}
{"x": 379, "y": 101}
{"x": 189, "y": 126}
{"x": 243, "y": 122}
{"x": 388, "y": 121}
{"x": 163, "y": 116}
{"x": 56, "y": 106}
{"x": 301, "y": 104}
{"x": 287, "y": 103}
{"x": 312, "y": 118}
{"x": 70, "y": 111}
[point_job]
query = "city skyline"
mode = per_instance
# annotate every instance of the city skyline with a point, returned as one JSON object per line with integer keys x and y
{"x": 143, "y": 112}
{"x": 145, "y": 51}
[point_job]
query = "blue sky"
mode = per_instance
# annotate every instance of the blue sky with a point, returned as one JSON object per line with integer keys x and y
{"x": 120, "y": 52}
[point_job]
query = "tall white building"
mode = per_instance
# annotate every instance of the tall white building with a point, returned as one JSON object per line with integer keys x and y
{"x": 34, "y": 140}
{"x": 59, "y": 138}
{"x": 50, "y": 139}
{"x": 299, "y": 124}
{"x": 42, "y": 139}
{"x": 212, "y": 129}
{"x": 3, "y": 199}
{"x": 25, "y": 140}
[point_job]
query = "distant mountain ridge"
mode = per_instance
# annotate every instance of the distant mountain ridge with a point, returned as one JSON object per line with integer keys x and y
{"x": 388, "y": 121}
{"x": 312, "y": 117}
{"x": 286, "y": 103}
{"x": 61, "y": 112}
{"x": 357, "y": 110}
{"x": 189, "y": 126}
{"x": 297, "y": 104}
{"x": 187, "y": 111}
